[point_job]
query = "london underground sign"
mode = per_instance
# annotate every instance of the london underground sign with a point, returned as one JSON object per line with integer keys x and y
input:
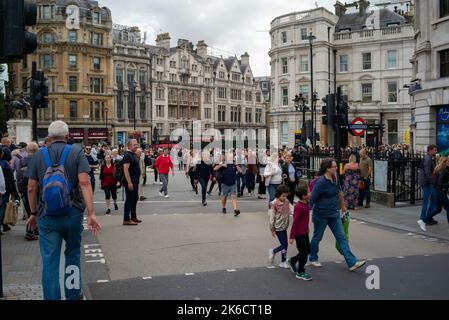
{"x": 358, "y": 126}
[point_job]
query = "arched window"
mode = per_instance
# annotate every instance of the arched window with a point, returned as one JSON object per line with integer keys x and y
{"x": 183, "y": 97}
{"x": 172, "y": 95}
{"x": 47, "y": 37}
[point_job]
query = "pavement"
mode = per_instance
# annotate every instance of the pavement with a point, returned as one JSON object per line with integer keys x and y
{"x": 183, "y": 250}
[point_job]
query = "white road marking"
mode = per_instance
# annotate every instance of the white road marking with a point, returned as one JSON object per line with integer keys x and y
{"x": 103, "y": 261}
{"x": 190, "y": 274}
{"x": 410, "y": 234}
{"x": 427, "y": 255}
{"x": 400, "y": 257}
{"x": 271, "y": 267}
{"x": 339, "y": 262}
{"x": 147, "y": 278}
{"x": 361, "y": 222}
{"x": 231, "y": 270}
{"x": 91, "y": 245}
{"x": 102, "y": 281}
{"x": 370, "y": 259}
{"x": 432, "y": 239}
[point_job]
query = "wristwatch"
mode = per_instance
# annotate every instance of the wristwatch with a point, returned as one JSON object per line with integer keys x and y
{"x": 33, "y": 213}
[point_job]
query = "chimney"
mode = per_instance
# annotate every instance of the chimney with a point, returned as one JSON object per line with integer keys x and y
{"x": 363, "y": 5}
{"x": 340, "y": 9}
{"x": 201, "y": 48}
{"x": 163, "y": 40}
{"x": 245, "y": 59}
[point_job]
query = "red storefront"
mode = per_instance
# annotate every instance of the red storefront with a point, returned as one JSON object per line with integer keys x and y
{"x": 96, "y": 135}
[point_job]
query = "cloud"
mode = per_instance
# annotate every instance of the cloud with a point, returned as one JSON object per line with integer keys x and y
{"x": 234, "y": 26}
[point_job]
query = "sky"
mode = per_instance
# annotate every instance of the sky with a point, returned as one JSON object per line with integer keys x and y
{"x": 233, "y": 26}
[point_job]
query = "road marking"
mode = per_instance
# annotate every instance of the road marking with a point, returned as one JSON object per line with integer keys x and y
{"x": 410, "y": 234}
{"x": 417, "y": 237}
{"x": 271, "y": 267}
{"x": 190, "y": 274}
{"x": 231, "y": 270}
{"x": 91, "y": 245}
{"x": 361, "y": 222}
{"x": 147, "y": 278}
{"x": 102, "y": 281}
{"x": 103, "y": 261}
{"x": 400, "y": 257}
{"x": 370, "y": 259}
{"x": 427, "y": 255}
{"x": 432, "y": 239}
{"x": 338, "y": 262}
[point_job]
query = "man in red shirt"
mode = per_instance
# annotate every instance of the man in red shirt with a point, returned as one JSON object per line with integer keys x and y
{"x": 163, "y": 165}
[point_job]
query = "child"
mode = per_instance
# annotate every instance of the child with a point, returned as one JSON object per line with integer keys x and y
{"x": 279, "y": 221}
{"x": 300, "y": 232}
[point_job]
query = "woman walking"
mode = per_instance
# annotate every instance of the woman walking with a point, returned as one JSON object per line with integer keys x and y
{"x": 351, "y": 171}
{"x": 324, "y": 202}
{"x": 273, "y": 177}
{"x": 109, "y": 183}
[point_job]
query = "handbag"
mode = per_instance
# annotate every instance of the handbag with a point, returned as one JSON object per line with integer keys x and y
{"x": 361, "y": 185}
{"x": 11, "y": 213}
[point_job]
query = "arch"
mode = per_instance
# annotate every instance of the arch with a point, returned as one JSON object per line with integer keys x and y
{"x": 172, "y": 95}
{"x": 183, "y": 96}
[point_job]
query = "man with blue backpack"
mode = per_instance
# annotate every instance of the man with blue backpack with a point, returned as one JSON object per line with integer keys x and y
{"x": 59, "y": 190}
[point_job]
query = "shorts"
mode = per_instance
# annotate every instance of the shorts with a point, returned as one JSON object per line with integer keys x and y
{"x": 228, "y": 190}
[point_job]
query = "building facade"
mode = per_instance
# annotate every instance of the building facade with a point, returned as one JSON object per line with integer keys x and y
{"x": 75, "y": 53}
{"x": 372, "y": 49}
{"x": 429, "y": 88}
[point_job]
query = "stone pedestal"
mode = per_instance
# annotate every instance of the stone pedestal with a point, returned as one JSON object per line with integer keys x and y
{"x": 20, "y": 130}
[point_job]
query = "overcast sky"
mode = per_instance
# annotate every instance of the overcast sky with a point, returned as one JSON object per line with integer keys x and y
{"x": 229, "y": 25}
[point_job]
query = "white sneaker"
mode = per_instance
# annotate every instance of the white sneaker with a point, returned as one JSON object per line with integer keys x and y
{"x": 357, "y": 265}
{"x": 167, "y": 196}
{"x": 160, "y": 183}
{"x": 422, "y": 225}
{"x": 271, "y": 256}
{"x": 315, "y": 264}
{"x": 284, "y": 265}
{"x": 161, "y": 194}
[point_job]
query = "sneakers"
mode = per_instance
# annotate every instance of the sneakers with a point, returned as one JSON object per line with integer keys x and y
{"x": 291, "y": 266}
{"x": 136, "y": 220}
{"x": 115, "y": 206}
{"x": 316, "y": 264}
{"x": 161, "y": 194}
{"x": 6, "y": 228}
{"x": 303, "y": 276}
{"x": 129, "y": 223}
{"x": 108, "y": 211}
{"x": 223, "y": 210}
{"x": 367, "y": 206}
{"x": 204, "y": 203}
{"x": 160, "y": 183}
{"x": 422, "y": 225}
{"x": 167, "y": 196}
{"x": 357, "y": 265}
{"x": 431, "y": 222}
{"x": 236, "y": 212}
{"x": 283, "y": 265}
{"x": 271, "y": 255}
{"x": 31, "y": 237}
{"x": 142, "y": 198}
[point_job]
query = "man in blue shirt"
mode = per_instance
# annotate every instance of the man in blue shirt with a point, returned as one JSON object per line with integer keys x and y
{"x": 229, "y": 185}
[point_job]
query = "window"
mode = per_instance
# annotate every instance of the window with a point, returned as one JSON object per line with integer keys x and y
{"x": 284, "y": 36}
{"x": 142, "y": 78}
{"x": 344, "y": 63}
{"x": 265, "y": 85}
{"x": 96, "y": 63}
{"x": 344, "y": 92}
{"x": 159, "y": 93}
{"x": 172, "y": 127}
{"x": 207, "y": 81}
{"x": 194, "y": 80}
{"x": 95, "y": 110}
{"x": 258, "y": 115}
{"x": 303, "y": 63}
{"x": 367, "y": 92}
{"x": 96, "y": 85}
{"x": 131, "y": 76}
{"x": 118, "y": 75}
{"x": 172, "y": 64}
{"x": 304, "y": 89}
{"x": 221, "y": 113}
{"x": 284, "y": 133}
{"x": 72, "y": 60}
{"x": 172, "y": 110}
{"x": 235, "y": 77}
{"x": 248, "y": 96}
{"x": 194, "y": 67}
{"x": 391, "y": 59}
{"x": 207, "y": 113}
{"x": 444, "y": 63}
{"x": 159, "y": 75}
{"x": 236, "y": 94}
{"x": 46, "y": 61}
{"x": 207, "y": 69}
{"x": 173, "y": 77}
{"x": 444, "y": 8}
{"x": 120, "y": 112}
{"x": 160, "y": 111}
{"x": 258, "y": 97}
{"x": 160, "y": 128}
{"x": 46, "y": 12}
{"x": 221, "y": 75}
{"x": 392, "y": 91}
{"x": 248, "y": 80}
{"x": 96, "y": 39}
{"x": 143, "y": 108}
{"x": 172, "y": 97}
{"x": 73, "y": 36}
{"x": 73, "y": 83}
{"x": 73, "y": 110}
{"x": 96, "y": 17}
{"x": 248, "y": 116}
{"x": 235, "y": 114}
{"x": 207, "y": 97}
{"x": 392, "y": 132}
{"x": 159, "y": 61}
{"x": 366, "y": 60}
{"x": 284, "y": 62}
{"x": 303, "y": 33}
{"x": 131, "y": 106}
{"x": 222, "y": 93}
{"x": 52, "y": 84}
{"x": 47, "y": 37}
{"x": 284, "y": 96}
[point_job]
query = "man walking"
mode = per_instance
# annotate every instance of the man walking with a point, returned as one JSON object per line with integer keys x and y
{"x": 366, "y": 170}
{"x": 229, "y": 185}
{"x": 425, "y": 180}
{"x": 62, "y": 219}
{"x": 163, "y": 165}
{"x": 132, "y": 174}
{"x": 93, "y": 164}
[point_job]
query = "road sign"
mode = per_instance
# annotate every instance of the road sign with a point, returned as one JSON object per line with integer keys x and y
{"x": 298, "y": 132}
{"x": 358, "y": 127}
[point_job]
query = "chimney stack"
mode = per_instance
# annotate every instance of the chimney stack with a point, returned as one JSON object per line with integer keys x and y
{"x": 163, "y": 40}
{"x": 245, "y": 59}
{"x": 340, "y": 9}
{"x": 363, "y": 5}
{"x": 201, "y": 49}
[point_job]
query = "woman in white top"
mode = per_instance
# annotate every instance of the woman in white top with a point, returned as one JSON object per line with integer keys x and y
{"x": 273, "y": 176}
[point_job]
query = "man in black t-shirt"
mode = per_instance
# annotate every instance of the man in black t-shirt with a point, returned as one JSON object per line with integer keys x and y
{"x": 131, "y": 171}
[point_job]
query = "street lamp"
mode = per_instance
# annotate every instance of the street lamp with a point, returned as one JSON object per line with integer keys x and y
{"x": 133, "y": 92}
{"x": 311, "y": 37}
{"x": 300, "y": 106}
{"x": 314, "y": 99}
{"x": 106, "y": 110}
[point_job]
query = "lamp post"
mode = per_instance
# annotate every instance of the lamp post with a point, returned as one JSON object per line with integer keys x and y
{"x": 133, "y": 92}
{"x": 314, "y": 99}
{"x": 300, "y": 106}
{"x": 311, "y": 37}
{"x": 106, "y": 111}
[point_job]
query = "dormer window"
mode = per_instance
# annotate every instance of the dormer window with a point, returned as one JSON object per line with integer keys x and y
{"x": 96, "y": 18}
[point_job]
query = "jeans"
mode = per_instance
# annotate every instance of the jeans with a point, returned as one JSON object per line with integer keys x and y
{"x": 365, "y": 193}
{"x": 336, "y": 226}
{"x": 3, "y": 202}
{"x": 283, "y": 239}
{"x": 132, "y": 197}
{"x": 241, "y": 183}
{"x": 262, "y": 188}
{"x": 155, "y": 175}
{"x": 203, "y": 183}
{"x": 426, "y": 203}
{"x": 439, "y": 201}
{"x": 271, "y": 192}
{"x": 250, "y": 182}
{"x": 52, "y": 230}
{"x": 303, "y": 245}
{"x": 164, "y": 179}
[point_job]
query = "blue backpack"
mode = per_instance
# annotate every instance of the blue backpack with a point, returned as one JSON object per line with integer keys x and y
{"x": 56, "y": 187}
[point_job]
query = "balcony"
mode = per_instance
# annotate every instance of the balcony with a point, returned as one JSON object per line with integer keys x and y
{"x": 184, "y": 71}
{"x": 390, "y": 33}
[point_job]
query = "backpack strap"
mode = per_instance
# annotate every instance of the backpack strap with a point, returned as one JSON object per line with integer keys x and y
{"x": 64, "y": 155}
{"x": 47, "y": 158}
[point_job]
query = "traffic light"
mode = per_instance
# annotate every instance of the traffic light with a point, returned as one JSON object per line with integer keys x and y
{"x": 15, "y": 41}
{"x": 328, "y": 109}
{"x": 39, "y": 90}
{"x": 342, "y": 109}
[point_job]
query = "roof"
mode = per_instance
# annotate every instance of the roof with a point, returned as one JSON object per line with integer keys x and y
{"x": 355, "y": 21}
{"x": 229, "y": 63}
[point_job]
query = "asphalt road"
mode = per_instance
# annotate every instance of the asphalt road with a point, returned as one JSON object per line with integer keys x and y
{"x": 183, "y": 250}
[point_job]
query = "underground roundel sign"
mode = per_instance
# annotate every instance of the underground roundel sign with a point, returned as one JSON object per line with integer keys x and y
{"x": 358, "y": 126}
